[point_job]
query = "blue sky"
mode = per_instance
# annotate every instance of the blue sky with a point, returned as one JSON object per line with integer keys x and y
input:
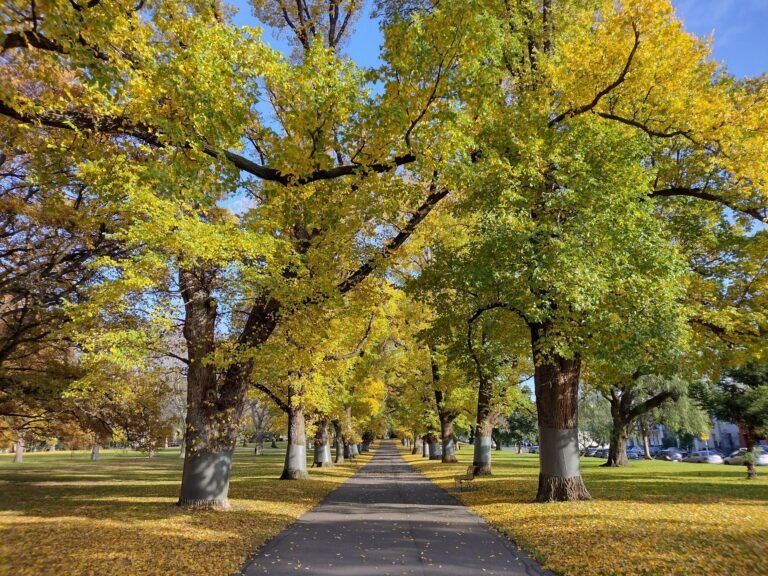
{"x": 739, "y": 28}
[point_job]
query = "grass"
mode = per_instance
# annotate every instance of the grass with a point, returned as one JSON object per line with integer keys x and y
{"x": 62, "y": 514}
{"x": 652, "y": 518}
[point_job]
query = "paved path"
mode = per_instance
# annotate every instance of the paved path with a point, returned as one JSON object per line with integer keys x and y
{"x": 389, "y": 520}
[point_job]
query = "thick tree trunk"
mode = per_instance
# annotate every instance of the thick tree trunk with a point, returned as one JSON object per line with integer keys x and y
{"x": 295, "y": 467}
{"x": 449, "y": 441}
{"x": 481, "y": 459}
{"x": 414, "y": 446}
{"x": 182, "y": 447}
{"x": 425, "y": 446}
{"x": 258, "y": 449}
{"x": 646, "y": 441}
{"x": 95, "y": 451}
{"x": 18, "y": 452}
{"x": 213, "y": 407}
{"x": 557, "y": 383}
{"x": 274, "y": 443}
{"x": 338, "y": 441}
{"x": 617, "y": 451}
{"x": 435, "y": 450}
{"x": 322, "y": 456}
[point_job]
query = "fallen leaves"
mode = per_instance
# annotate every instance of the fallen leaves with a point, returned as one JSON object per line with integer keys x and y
{"x": 651, "y": 518}
{"x": 62, "y": 514}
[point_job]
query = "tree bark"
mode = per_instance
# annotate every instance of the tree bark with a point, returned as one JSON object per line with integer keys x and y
{"x": 749, "y": 438}
{"x": 322, "y": 456}
{"x": 338, "y": 441}
{"x": 295, "y": 467}
{"x": 182, "y": 447}
{"x": 18, "y": 453}
{"x": 435, "y": 449}
{"x": 425, "y": 446}
{"x": 644, "y": 432}
{"x": 95, "y": 451}
{"x": 617, "y": 450}
{"x": 214, "y": 404}
{"x": 556, "y": 381}
{"x": 449, "y": 441}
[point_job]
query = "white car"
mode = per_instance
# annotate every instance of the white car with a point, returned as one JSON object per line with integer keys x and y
{"x": 705, "y": 457}
{"x": 737, "y": 457}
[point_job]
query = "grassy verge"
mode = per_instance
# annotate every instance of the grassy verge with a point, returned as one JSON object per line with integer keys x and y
{"x": 60, "y": 513}
{"x": 651, "y": 518}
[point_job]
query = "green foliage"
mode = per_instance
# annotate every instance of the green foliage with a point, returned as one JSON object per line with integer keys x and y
{"x": 741, "y": 396}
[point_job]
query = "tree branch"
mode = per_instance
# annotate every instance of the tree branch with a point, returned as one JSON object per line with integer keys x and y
{"x": 436, "y": 194}
{"x": 358, "y": 349}
{"x": 605, "y": 91}
{"x": 76, "y": 120}
{"x": 760, "y": 214}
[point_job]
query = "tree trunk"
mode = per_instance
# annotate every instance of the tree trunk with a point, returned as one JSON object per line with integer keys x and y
{"x": 274, "y": 443}
{"x": 338, "y": 440}
{"x": 617, "y": 451}
{"x": 425, "y": 446}
{"x": 18, "y": 453}
{"x": 449, "y": 441}
{"x": 414, "y": 447}
{"x": 295, "y": 467}
{"x": 258, "y": 450}
{"x": 644, "y": 432}
{"x": 212, "y": 410}
{"x": 557, "y": 384}
{"x": 435, "y": 451}
{"x": 182, "y": 447}
{"x": 322, "y": 456}
{"x": 749, "y": 437}
{"x": 95, "y": 451}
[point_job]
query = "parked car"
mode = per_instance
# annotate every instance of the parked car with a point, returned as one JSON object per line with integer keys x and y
{"x": 601, "y": 453}
{"x": 591, "y": 450}
{"x": 654, "y": 450}
{"x": 737, "y": 457}
{"x": 671, "y": 455}
{"x": 705, "y": 457}
{"x": 533, "y": 449}
{"x": 635, "y": 453}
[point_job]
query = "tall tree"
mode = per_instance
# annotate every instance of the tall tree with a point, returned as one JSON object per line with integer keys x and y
{"x": 603, "y": 123}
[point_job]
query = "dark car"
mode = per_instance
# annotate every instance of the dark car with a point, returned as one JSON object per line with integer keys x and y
{"x": 671, "y": 455}
{"x": 635, "y": 453}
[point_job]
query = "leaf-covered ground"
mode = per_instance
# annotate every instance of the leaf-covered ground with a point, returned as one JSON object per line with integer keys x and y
{"x": 62, "y": 514}
{"x": 653, "y": 518}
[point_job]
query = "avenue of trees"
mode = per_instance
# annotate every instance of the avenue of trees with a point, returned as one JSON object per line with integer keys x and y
{"x": 568, "y": 191}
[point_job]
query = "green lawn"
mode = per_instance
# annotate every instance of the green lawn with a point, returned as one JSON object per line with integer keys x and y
{"x": 651, "y": 518}
{"x": 62, "y": 514}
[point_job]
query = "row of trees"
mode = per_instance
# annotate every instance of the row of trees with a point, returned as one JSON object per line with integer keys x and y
{"x": 567, "y": 189}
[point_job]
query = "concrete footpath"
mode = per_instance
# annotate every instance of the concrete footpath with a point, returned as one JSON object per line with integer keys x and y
{"x": 389, "y": 520}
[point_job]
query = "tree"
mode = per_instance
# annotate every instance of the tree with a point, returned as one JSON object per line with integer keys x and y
{"x": 741, "y": 396}
{"x": 319, "y": 174}
{"x": 600, "y": 125}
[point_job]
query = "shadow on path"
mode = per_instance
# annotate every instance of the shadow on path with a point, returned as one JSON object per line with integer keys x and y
{"x": 389, "y": 520}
